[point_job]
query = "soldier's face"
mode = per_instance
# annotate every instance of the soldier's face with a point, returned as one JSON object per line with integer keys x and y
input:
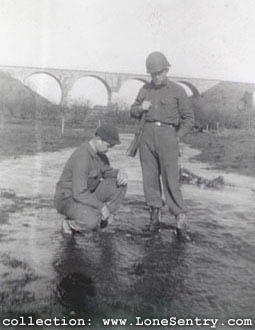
{"x": 102, "y": 146}
{"x": 159, "y": 77}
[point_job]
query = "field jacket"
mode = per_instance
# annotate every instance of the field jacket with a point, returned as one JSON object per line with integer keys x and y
{"x": 170, "y": 105}
{"x": 81, "y": 175}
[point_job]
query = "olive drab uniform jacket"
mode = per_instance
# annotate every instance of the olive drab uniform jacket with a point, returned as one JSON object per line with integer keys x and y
{"x": 170, "y": 105}
{"x": 82, "y": 174}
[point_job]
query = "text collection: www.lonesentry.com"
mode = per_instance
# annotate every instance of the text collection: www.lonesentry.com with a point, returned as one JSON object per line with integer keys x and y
{"x": 138, "y": 321}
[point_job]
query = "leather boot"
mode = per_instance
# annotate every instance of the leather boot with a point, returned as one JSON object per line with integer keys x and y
{"x": 154, "y": 219}
{"x": 181, "y": 227}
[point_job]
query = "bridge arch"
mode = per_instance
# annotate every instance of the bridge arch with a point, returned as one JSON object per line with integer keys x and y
{"x": 46, "y": 74}
{"x": 128, "y": 91}
{"x": 194, "y": 91}
{"x": 108, "y": 89}
{"x": 76, "y": 88}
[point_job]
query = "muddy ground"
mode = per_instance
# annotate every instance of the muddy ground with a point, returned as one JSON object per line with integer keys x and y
{"x": 122, "y": 271}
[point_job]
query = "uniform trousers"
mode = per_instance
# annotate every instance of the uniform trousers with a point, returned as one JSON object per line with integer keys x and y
{"x": 86, "y": 217}
{"x": 159, "y": 152}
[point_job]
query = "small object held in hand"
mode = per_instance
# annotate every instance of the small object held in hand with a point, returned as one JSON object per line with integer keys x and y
{"x": 146, "y": 105}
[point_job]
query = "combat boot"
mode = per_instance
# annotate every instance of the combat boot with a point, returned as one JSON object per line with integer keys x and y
{"x": 154, "y": 219}
{"x": 181, "y": 227}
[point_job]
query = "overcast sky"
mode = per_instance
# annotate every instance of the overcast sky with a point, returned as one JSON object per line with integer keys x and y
{"x": 201, "y": 38}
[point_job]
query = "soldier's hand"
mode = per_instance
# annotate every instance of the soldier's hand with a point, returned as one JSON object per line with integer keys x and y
{"x": 122, "y": 178}
{"x": 105, "y": 212}
{"x": 146, "y": 105}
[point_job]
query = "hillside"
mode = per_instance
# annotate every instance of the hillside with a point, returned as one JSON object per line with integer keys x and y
{"x": 222, "y": 103}
{"x": 20, "y": 102}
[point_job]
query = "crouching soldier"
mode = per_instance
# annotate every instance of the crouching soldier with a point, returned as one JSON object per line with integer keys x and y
{"x": 89, "y": 191}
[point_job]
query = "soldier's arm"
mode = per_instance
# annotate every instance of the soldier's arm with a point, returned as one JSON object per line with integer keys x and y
{"x": 136, "y": 109}
{"x": 186, "y": 113}
{"x": 106, "y": 169}
{"x": 80, "y": 189}
{"x": 109, "y": 172}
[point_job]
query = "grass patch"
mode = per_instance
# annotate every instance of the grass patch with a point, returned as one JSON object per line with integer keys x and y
{"x": 28, "y": 138}
{"x": 229, "y": 150}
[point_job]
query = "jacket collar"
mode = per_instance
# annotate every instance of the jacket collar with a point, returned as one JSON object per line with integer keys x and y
{"x": 159, "y": 86}
{"x": 90, "y": 149}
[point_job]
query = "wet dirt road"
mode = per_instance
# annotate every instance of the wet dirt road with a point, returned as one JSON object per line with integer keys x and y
{"x": 122, "y": 272}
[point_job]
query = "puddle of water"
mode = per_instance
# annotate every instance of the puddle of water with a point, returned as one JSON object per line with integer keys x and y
{"x": 122, "y": 271}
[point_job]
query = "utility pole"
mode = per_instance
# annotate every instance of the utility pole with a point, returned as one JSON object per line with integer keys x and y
{"x": 246, "y": 104}
{"x": 2, "y": 110}
{"x": 249, "y": 110}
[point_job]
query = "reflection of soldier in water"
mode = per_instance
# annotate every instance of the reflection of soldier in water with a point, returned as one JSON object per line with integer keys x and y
{"x": 89, "y": 190}
{"x": 114, "y": 273}
{"x": 165, "y": 285}
{"x": 97, "y": 273}
{"x": 76, "y": 266}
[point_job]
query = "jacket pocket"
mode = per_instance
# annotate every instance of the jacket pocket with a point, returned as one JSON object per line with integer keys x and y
{"x": 169, "y": 101}
{"x": 94, "y": 178}
{"x": 169, "y": 106}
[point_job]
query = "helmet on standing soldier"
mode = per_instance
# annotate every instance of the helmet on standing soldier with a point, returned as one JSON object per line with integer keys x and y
{"x": 156, "y": 62}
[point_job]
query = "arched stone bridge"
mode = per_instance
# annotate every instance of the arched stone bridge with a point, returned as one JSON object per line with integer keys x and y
{"x": 112, "y": 81}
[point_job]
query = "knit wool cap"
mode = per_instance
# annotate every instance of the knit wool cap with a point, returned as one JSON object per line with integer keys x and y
{"x": 109, "y": 134}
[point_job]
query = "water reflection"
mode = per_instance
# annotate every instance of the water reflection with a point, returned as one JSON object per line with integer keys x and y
{"x": 76, "y": 266}
{"x": 124, "y": 272}
{"x": 120, "y": 273}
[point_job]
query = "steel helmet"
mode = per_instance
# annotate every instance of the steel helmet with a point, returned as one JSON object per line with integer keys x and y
{"x": 156, "y": 62}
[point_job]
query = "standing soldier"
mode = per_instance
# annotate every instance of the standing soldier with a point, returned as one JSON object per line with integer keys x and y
{"x": 165, "y": 109}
